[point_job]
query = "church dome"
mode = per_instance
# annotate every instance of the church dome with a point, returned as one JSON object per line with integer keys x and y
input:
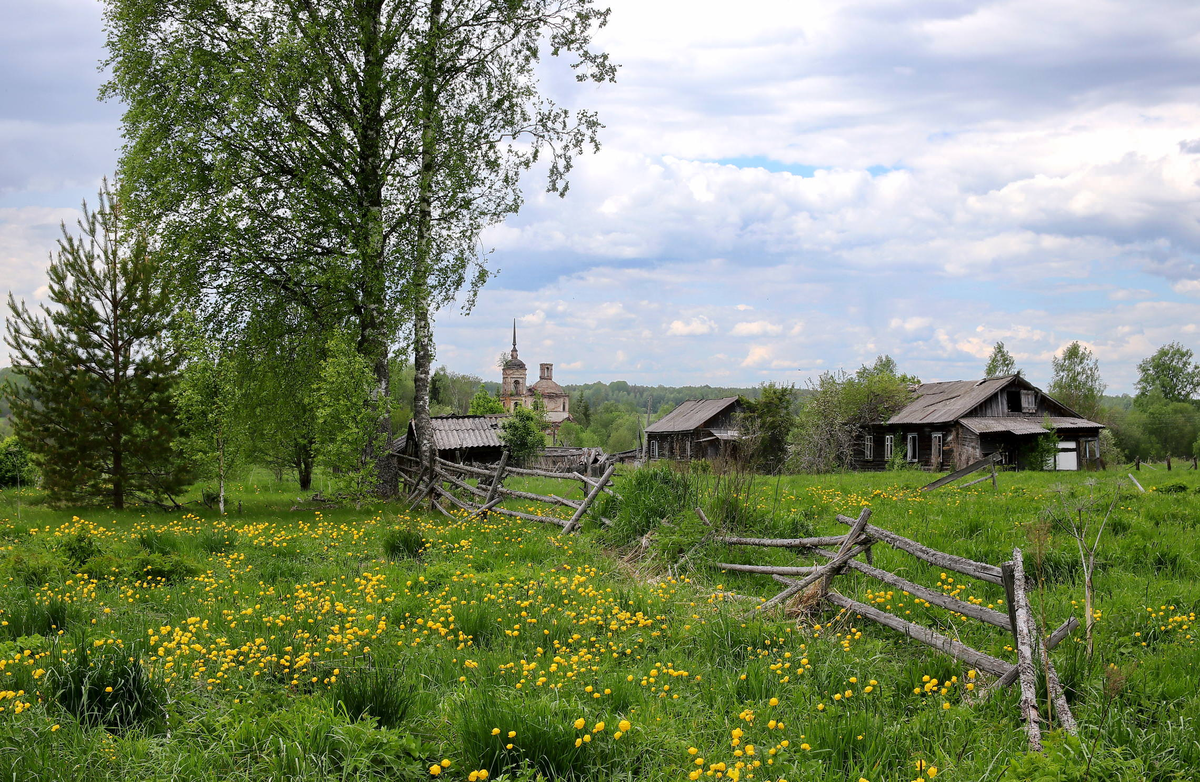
{"x": 514, "y": 363}
{"x": 547, "y": 387}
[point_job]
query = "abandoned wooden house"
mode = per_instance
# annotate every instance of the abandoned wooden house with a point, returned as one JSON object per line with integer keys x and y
{"x": 697, "y": 429}
{"x": 458, "y": 438}
{"x": 950, "y": 425}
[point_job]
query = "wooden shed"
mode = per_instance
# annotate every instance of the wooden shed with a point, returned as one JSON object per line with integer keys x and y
{"x": 952, "y": 424}
{"x": 697, "y": 429}
{"x": 459, "y": 438}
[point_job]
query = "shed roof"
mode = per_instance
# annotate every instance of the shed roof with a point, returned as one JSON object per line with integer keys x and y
{"x": 691, "y": 415}
{"x": 1022, "y": 425}
{"x": 937, "y": 403}
{"x": 452, "y": 432}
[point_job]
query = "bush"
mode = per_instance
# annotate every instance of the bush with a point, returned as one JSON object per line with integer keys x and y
{"x": 648, "y": 496}
{"x": 1066, "y": 760}
{"x": 215, "y": 541}
{"x": 36, "y": 568}
{"x": 158, "y": 542}
{"x": 80, "y": 548}
{"x": 15, "y": 467}
{"x": 168, "y": 569}
{"x": 402, "y": 543}
{"x": 522, "y": 434}
{"x": 383, "y": 693}
{"x": 106, "y": 686}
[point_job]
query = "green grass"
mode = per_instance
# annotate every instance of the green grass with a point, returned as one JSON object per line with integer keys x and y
{"x": 295, "y": 641}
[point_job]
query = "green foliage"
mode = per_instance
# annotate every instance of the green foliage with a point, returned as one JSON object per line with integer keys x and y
{"x": 81, "y": 548}
{"x": 402, "y": 543}
{"x": 484, "y": 403}
{"x": 1076, "y": 380}
{"x": 96, "y": 414}
{"x": 648, "y": 496}
{"x": 29, "y": 614}
{"x": 347, "y": 433}
{"x": 15, "y": 465}
{"x": 216, "y": 541}
{"x": 456, "y": 392}
{"x": 1171, "y": 373}
{"x": 1041, "y": 452}
{"x": 1000, "y": 363}
{"x": 1110, "y": 450}
{"x": 522, "y": 434}
{"x": 35, "y": 568}
{"x": 162, "y": 568}
{"x": 831, "y": 423}
{"x": 386, "y": 694}
{"x": 1066, "y": 759}
{"x": 107, "y": 686}
{"x": 767, "y": 424}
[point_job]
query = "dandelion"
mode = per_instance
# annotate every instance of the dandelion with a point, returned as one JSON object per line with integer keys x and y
{"x": 624, "y": 726}
{"x": 434, "y": 770}
{"x": 931, "y": 771}
{"x": 495, "y": 731}
{"x": 579, "y": 723}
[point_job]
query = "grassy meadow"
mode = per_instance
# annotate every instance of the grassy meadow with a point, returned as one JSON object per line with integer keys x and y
{"x": 307, "y": 642}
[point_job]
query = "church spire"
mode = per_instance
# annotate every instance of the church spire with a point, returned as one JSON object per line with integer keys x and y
{"x": 514, "y": 333}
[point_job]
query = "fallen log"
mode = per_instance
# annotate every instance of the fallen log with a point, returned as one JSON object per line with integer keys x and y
{"x": 1025, "y": 669}
{"x": 833, "y": 540}
{"x": 769, "y": 570}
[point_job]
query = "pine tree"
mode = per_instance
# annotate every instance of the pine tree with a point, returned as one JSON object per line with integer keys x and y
{"x": 96, "y": 415}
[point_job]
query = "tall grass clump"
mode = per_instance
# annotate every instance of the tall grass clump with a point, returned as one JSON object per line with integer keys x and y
{"x": 402, "y": 543}
{"x": 29, "y": 615}
{"x": 386, "y": 694}
{"x": 507, "y": 735}
{"x": 106, "y": 685}
{"x": 647, "y": 497}
{"x": 216, "y": 541}
{"x": 733, "y": 504}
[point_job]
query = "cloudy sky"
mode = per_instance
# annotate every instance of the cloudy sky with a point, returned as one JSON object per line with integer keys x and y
{"x": 784, "y": 188}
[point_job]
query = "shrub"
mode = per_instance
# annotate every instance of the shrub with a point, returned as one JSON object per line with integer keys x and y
{"x": 102, "y": 567}
{"x": 158, "y": 542}
{"x": 169, "y": 568}
{"x": 36, "y": 568}
{"x": 80, "y": 548}
{"x": 1066, "y": 760}
{"x": 402, "y": 543}
{"x": 383, "y": 693}
{"x": 106, "y": 686}
{"x": 648, "y": 496}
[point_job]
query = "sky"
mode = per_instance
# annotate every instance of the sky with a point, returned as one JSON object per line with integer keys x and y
{"x": 783, "y": 192}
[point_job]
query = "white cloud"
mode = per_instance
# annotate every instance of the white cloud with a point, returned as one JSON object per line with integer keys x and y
{"x": 758, "y": 328}
{"x": 692, "y": 327}
{"x": 758, "y": 356}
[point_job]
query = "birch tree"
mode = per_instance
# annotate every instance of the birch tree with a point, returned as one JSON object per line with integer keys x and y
{"x": 342, "y": 156}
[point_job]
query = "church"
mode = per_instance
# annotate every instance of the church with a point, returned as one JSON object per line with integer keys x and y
{"x": 516, "y": 392}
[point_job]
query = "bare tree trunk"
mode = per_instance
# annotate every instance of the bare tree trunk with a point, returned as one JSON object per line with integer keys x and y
{"x": 420, "y": 294}
{"x": 221, "y": 476}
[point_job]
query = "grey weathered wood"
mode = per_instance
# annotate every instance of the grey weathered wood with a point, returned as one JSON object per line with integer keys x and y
{"x": 841, "y": 558}
{"x": 499, "y": 476}
{"x": 1135, "y": 483}
{"x": 956, "y": 649}
{"x": 1025, "y": 669}
{"x": 939, "y": 599}
{"x": 991, "y": 478}
{"x": 1054, "y": 639}
{"x": 851, "y": 536}
{"x": 833, "y": 540}
{"x": 1054, "y": 686}
{"x": 464, "y": 468}
{"x": 504, "y": 511}
{"x": 970, "y": 468}
{"x": 1010, "y": 600}
{"x": 700, "y": 513}
{"x": 967, "y": 567}
{"x": 770, "y": 570}
{"x": 595, "y": 492}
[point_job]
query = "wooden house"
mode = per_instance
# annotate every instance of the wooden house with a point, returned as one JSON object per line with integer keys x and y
{"x": 458, "y": 438}
{"x": 950, "y": 425}
{"x": 697, "y": 429}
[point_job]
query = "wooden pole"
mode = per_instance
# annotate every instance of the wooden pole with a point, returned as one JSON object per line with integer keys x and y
{"x": 770, "y": 570}
{"x": 1135, "y": 483}
{"x": 851, "y": 537}
{"x": 833, "y": 540}
{"x": 495, "y": 487}
{"x": 582, "y": 509}
{"x": 1054, "y": 639}
{"x": 1010, "y": 599}
{"x": 1025, "y": 669}
{"x": 795, "y": 587}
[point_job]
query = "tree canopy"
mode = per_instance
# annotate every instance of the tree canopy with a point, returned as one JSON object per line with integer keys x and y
{"x": 1171, "y": 372}
{"x": 1000, "y": 363}
{"x": 1076, "y": 381}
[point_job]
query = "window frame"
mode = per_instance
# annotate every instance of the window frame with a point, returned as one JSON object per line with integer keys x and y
{"x": 889, "y": 446}
{"x": 869, "y": 448}
{"x": 912, "y": 447}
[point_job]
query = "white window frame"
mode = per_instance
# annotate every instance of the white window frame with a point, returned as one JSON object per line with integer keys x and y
{"x": 889, "y": 444}
{"x": 654, "y": 449}
{"x": 912, "y": 447}
{"x": 869, "y": 448}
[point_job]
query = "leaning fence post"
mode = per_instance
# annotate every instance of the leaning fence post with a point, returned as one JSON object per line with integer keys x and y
{"x": 495, "y": 487}
{"x": 1010, "y": 600}
{"x": 847, "y": 544}
{"x": 582, "y": 509}
{"x": 1025, "y": 669}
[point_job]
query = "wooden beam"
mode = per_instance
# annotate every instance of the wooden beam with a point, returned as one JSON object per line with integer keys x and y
{"x": 1135, "y": 483}
{"x": 595, "y": 492}
{"x": 1025, "y": 669}
{"x": 851, "y": 536}
{"x": 939, "y": 599}
{"x": 835, "y": 540}
{"x": 968, "y": 567}
{"x": 1054, "y": 639}
{"x": 955, "y": 649}
{"x": 770, "y": 570}
{"x": 970, "y": 468}
{"x": 495, "y": 487}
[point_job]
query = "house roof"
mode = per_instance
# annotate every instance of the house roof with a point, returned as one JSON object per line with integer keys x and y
{"x": 691, "y": 415}
{"x": 937, "y": 403}
{"x": 1021, "y": 425}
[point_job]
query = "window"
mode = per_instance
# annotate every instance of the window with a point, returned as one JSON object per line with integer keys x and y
{"x": 911, "y": 455}
{"x": 1028, "y": 402}
{"x": 654, "y": 449}
{"x": 516, "y": 386}
{"x": 888, "y": 441}
{"x": 516, "y": 405}
{"x": 936, "y": 459}
{"x": 1013, "y": 398}
{"x": 869, "y": 448}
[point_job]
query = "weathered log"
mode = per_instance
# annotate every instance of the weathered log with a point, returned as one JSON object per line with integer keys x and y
{"x": 1135, "y": 483}
{"x": 770, "y": 570}
{"x": 956, "y": 649}
{"x": 1025, "y": 669}
{"x": 1054, "y": 639}
{"x": 499, "y": 476}
{"x": 591, "y": 497}
{"x": 968, "y": 567}
{"x": 816, "y": 576}
{"x": 991, "y": 478}
{"x": 463, "y": 468}
{"x": 1010, "y": 600}
{"x": 939, "y": 599}
{"x": 851, "y": 536}
{"x": 834, "y": 540}
{"x": 505, "y": 511}
{"x": 1055, "y": 688}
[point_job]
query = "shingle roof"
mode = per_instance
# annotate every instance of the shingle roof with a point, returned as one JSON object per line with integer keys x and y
{"x": 1021, "y": 425}
{"x": 691, "y": 415}
{"x": 944, "y": 402}
{"x": 451, "y": 432}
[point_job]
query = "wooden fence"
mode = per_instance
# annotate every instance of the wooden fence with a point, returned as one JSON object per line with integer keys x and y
{"x": 859, "y": 540}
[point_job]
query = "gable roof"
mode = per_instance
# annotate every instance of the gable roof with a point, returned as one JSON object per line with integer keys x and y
{"x": 691, "y": 415}
{"x": 939, "y": 403}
